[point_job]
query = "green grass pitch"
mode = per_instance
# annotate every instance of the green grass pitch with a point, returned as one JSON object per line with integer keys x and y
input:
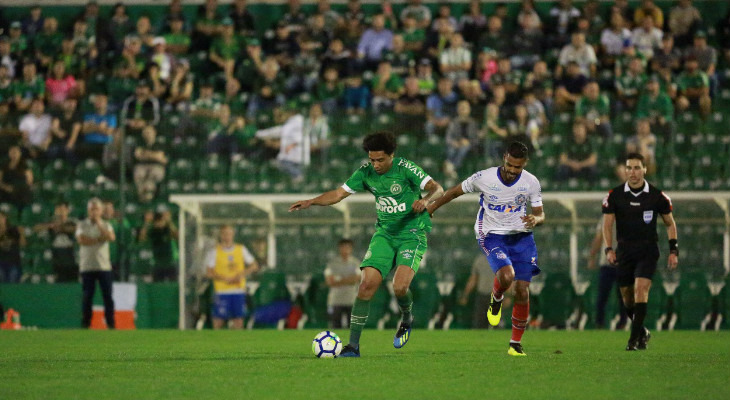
{"x": 269, "y": 364}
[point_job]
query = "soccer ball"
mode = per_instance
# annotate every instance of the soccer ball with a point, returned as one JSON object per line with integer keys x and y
{"x": 326, "y": 345}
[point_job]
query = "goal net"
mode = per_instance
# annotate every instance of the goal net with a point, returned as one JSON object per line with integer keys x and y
{"x": 299, "y": 244}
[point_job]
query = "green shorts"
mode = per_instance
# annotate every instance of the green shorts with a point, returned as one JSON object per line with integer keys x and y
{"x": 387, "y": 251}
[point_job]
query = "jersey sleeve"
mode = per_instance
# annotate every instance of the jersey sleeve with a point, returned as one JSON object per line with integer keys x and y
{"x": 248, "y": 258}
{"x": 665, "y": 204}
{"x": 536, "y": 194}
{"x": 417, "y": 175}
{"x": 468, "y": 185}
{"x": 356, "y": 183}
{"x": 609, "y": 206}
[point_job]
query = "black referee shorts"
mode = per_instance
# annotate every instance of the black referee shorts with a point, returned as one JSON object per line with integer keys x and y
{"x": 636, "y": 260}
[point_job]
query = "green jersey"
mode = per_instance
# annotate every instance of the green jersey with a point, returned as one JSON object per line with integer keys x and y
{"x": 395, "y": 192}
{"x": 593, "y": 110}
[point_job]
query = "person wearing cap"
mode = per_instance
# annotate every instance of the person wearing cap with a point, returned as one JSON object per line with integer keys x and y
{"x": 706, "y": 58}
{"x": 177, "y": 41}
{"x": 140, "y": 110}
{"x": 161, "y": 58}
{"x": 225, "y": 48}
{"x": 18, "y": 41}
{"x": 694, "y": 88}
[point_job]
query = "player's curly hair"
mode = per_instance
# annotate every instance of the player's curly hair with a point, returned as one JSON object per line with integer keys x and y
{"x": 517, "y": 150}
{"x": 379, "y": 141}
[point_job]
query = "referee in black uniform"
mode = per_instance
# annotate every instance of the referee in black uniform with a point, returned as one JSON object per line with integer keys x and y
{"x": 635, "y": 206}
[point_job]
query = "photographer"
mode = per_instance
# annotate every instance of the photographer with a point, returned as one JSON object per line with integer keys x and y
{"x": 159, "y": 230}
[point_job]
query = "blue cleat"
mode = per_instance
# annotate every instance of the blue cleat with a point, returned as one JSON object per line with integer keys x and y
{"x": 403, "y": 334}
{"x": 350, "y": 351}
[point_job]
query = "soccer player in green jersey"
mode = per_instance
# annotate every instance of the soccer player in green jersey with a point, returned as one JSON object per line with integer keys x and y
{"x": 400, "y": 236}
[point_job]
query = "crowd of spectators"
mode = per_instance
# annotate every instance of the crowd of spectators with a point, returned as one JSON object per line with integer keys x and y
{"x": 105, "y": 86}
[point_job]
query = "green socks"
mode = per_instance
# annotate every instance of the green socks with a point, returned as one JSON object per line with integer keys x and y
{"x": 406, "y": 304}
{"x": 360, "y": 311}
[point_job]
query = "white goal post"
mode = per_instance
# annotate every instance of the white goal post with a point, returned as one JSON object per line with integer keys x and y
{"x": 571, "y": 210}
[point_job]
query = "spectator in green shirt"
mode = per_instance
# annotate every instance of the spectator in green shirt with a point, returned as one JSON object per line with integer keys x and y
{"x": 593, "y": 110}
{"x": 694, "y": 88}
{"x": 177, "y": 41}
{"x": 30, "y": 87}
{"x": 578, "y": 158}
{"x": 225, "y": 48}
{"x": 18, "y": 42}
{"x": 657, "y": 108}
{"x": 387, "y": 87}
{"x": 329, "y": 90}
{"x": 413, "y": 36}
{"x": 629, "y": 84}
{"x": 47, "y": 42}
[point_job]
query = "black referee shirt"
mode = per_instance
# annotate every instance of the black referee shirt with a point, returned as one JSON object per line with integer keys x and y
{"x": 636, "y": 214}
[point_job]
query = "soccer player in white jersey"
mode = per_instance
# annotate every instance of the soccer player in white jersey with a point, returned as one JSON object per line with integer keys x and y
{"x": 504, "y": 232}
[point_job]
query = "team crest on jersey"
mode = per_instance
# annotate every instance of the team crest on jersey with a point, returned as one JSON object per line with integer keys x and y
{"x": 648, "y": 216}
{"x": 501, "y": 255}
{"x": 521, "y": 199}
{"x": 407, "y": 254}
{"x": 396, "y": 188}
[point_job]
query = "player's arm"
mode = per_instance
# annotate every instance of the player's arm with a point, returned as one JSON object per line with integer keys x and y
{"x": 608, "y": 220}
{"x": 251, "y": 269}
{"x": 449, "y": 195}
{"x": 673, "y": 259}
{"x": 435, "y": 191}
{"x": 536, "y": 218}
{"x": 324, "y": 199}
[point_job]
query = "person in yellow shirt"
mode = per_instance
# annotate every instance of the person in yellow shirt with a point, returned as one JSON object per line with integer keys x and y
{"x": 228, "y": 266}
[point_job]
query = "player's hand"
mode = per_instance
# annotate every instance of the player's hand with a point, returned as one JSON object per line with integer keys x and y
{"x": 300, "y": 205}
{"x": 419, "y": 206}
{"x": 672, "y": 261}
{"x": 611, "y": 257}
{"x": 529, "y": 221}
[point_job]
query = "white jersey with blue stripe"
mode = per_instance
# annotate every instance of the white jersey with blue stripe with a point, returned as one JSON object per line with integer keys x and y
{"x": 501, "y": 206}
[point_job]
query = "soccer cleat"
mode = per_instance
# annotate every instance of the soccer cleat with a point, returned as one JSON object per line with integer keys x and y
{"x": 350, "y": 351}
{"x": 402, "y": 334}
{"x": 632, "y": 345}
{"x": 644, "y": 340}
{"x": 515, "y": 349}
{"x": 494, "y": 313}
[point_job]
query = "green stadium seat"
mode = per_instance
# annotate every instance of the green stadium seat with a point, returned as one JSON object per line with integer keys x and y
{"x": 35, "y": 213}
{"x": 689, "y": 123}
{"x": 11, "y": 211}
{"x": 88, "y": 171}
{"x": 57, "y": 171}
{"x": 426, "y": 299}
{"x": 315, "y": 302}
{"x": 693, "y": 300}
{"x": 624, "y": 123}
{"x": 182, "y": 169}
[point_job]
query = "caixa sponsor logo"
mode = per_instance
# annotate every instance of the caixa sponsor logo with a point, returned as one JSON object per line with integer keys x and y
{"x": 504, "y": 208}
{"x": 389, "y": 205}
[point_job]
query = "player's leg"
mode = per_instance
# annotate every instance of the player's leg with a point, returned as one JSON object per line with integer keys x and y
{"x": 494, "y": 248}
{"x": 369, "y": 283}
{"x": 401, "y": 287}
{"x": 219, "y": 311}
{"x": 410, "y": 250}
{"x": 520, "y": 315}
{"x": 88, "y": 287}
{"x": 639, "y": 333}
{"x": 236, "y": 308}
